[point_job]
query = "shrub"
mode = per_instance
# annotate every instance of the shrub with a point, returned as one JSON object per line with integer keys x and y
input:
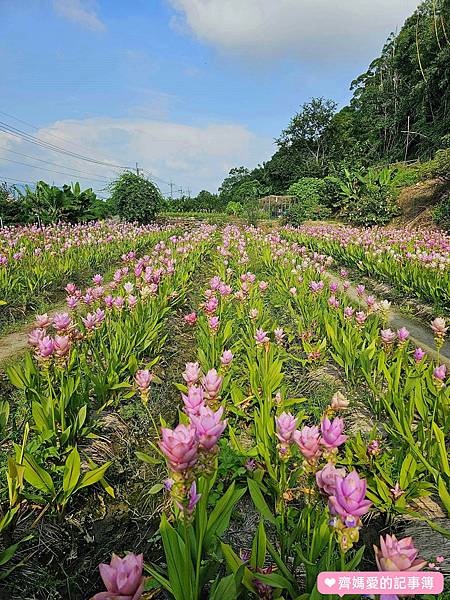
{"x": 135, "y": 198}
{"x": 308, "y": 189}
{"x": 374, "y": 208}
{"x": 306, "y": 211}
{"x": 234, "y": 208}
{"x": 441, "y": 214}
{"x": 441, "y": 164}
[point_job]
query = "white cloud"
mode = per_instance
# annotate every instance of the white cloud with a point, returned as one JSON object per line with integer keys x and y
{"x": 314, "y": 29}
{"x": 83, "y": 12}
{"x": 195, "y": 157}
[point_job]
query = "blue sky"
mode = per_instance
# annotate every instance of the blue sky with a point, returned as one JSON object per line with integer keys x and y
{"x": 187, "y": 88}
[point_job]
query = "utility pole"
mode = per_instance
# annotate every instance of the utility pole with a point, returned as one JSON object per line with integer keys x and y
{"x": 137, "y": 170}
{"x": 189, "y": 193}
{"x": 171, "y": 189}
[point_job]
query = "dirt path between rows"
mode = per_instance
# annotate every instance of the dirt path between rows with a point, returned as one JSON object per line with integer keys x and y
{"x": 14, "y": 344}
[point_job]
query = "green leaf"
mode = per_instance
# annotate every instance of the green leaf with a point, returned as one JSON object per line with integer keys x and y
{"x": 439, "y": 435}
{"x": 147, "y": 458}
{"x": 258, "y": 555}
{"x": 156, "y": 488}
{"x": 93, "y": 476}
{"x": 259, "y": 502}
{"x": 228, "y": 587}
{"x": 180, "y": 571}
{"x": 72, "y": 470}
{"x": 444, "y": 494}
{"x": 37, "y": 476}
{"x": 235, "y": 563}
{"x": 220, "y": 516}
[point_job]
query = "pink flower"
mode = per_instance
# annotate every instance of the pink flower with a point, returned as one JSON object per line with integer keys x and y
{"x": 36, "y": 336}
{"x": 332, "y": 301}
{"x": 192, "y": 498}
{"x": 387, "y": 336}
{"x": 440, "y": 372}
{"x": 122, "y": 578}
{"x": 263, "y": 285}
{"x": 286, "y": 424}
{"x": 179, "y": 446}
{"x": 71, "y": 288}
{"x": 360, "y": 290}
{"x": 143, "y": 378}
{"x": 326, "y": 478}
{"x": 97, "y": 279}
{"x": 211, "y": 305}
{"x": 339, "y": 401}
{"x": 279, "y": 335}
{"x": 348, "y": 312}
{"x": 191, "y": 318}
{"x": 360, "y": 317}
{"x": 349, "y": 497}
{"x": 308, "y": 441}
{"x": 261, "y": 337}
{"x": 208, "y": 426}
{"x": 332, "y": 432}
{"x": 253, "y": 313}
{"x": 397, "y": 491}
{"x": 62, "y": 344}
{"x": 439, "y": 327}
{"x": 402, "y": 334}
{"x": 191, "y": 373}
{"x": 90, "y": 321}
{"x": 333, "y": 287}
{"x": 213, "y": 323}
{"x": 193, "y": 401}
{"x": 293, "y": 291}
{"x": 43, "y": 321}
{"x": 226, "y": 358}
{"x": 397, "y": 555}
{"x": 418, "y": 354}
{"x": 62, "y": 321}
{"x": 72, "y": 302}
{"x": 211, "y": 383}
{"x": 46, "y": 347}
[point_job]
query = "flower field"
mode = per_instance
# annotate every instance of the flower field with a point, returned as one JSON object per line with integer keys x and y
{"x": 217, "y": 411}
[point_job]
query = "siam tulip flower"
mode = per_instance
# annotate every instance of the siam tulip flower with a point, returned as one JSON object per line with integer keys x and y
{"x": 212, "y": 383}
{"x": 384, "y": 306}
{"x": 143, "y": 378}
{"x": 343, "y": 273}
{"x": 286, "y": 424}
{"x": 439, "y": 373}
{"x": 253, "y": 313}
{"x": 215, "y": 282}
{"x": 226, "y": 358}
{"x": 333, "y": 287}
{"x": 46, "y": 347}
{"x": 128, "y": 287}
{"x": 191, "y": 318}
{"x": 397, "y": 555}
{"x": 278, "y": 398}
{"x": 191, "y": 373}
{"x": 35, "y": 336}
{"x": 193, "y": 401}
{"x": 250, "y": 464}
{"x": 293, "y": 291}
{"x": 326, "y": 478}
{"x": 109, "y": 301}
{"x": 119, "y": 302}
{"x": 349, "y": 497}
{"x": 132, "y": 301}
{"x": 72, "y": 302}
{"x": 62, "y": 321}
{"x": 387, "y": 336}
{"x": 208, "y": 426}
{"x": 370, "y": 301}
{"x": 62, "y": 344}
{"x": 192, "y": 500}
{"x": 332, "y": 432}
{"x": 339, "y": 401}
{"x": 261, "y": 337}
{"x": 179, "y": 446}
{"x": 263, "y": 285}
{"x": 71, "y": 288}
{"x": 333, "y": 301}
{"x": 213, "y": 323}
{"x": 90, "y": 321}
{"x": 346, "y": 285}
{"x": 211, "y": 306}
{"x": 418, "y": 354}
{"x": 402, "y": 334}
{"x": 97, "y": 279}
{"x": 439, "y": 327}
{"x": 397, "y": 491}
{"x": 360, "y": 290}
{"x": 279, "y": 335}
{"x": 225, "y": 290}
{"x": 308, "y": 441}
{"x": 348, "y": 312}
{"x": 374, "y": 448}
{"x": 168, "y": 483}
{"x": 123, "y": 578}
{"x": 43, "y": 321}
{"x": 360, "y": 317}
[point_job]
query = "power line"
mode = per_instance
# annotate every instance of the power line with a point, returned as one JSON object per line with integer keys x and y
{"x": 21, "y": 181}
{"x": 17, "y": 162}
{"x": 49, "y": 146}
{"x": 52, "y": 163}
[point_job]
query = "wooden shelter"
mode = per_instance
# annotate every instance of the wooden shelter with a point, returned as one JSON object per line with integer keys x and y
{"x": 276, "y": 206}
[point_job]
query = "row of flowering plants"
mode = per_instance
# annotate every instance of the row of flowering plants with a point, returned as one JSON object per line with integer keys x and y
{"x": 85, "y": 360}
{"x": 36, "y": 261}
{"x": 268, "y": 305}
{"x": 416, "y": 262}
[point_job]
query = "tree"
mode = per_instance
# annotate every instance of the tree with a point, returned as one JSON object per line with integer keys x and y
{"x": 135, "y": 198}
